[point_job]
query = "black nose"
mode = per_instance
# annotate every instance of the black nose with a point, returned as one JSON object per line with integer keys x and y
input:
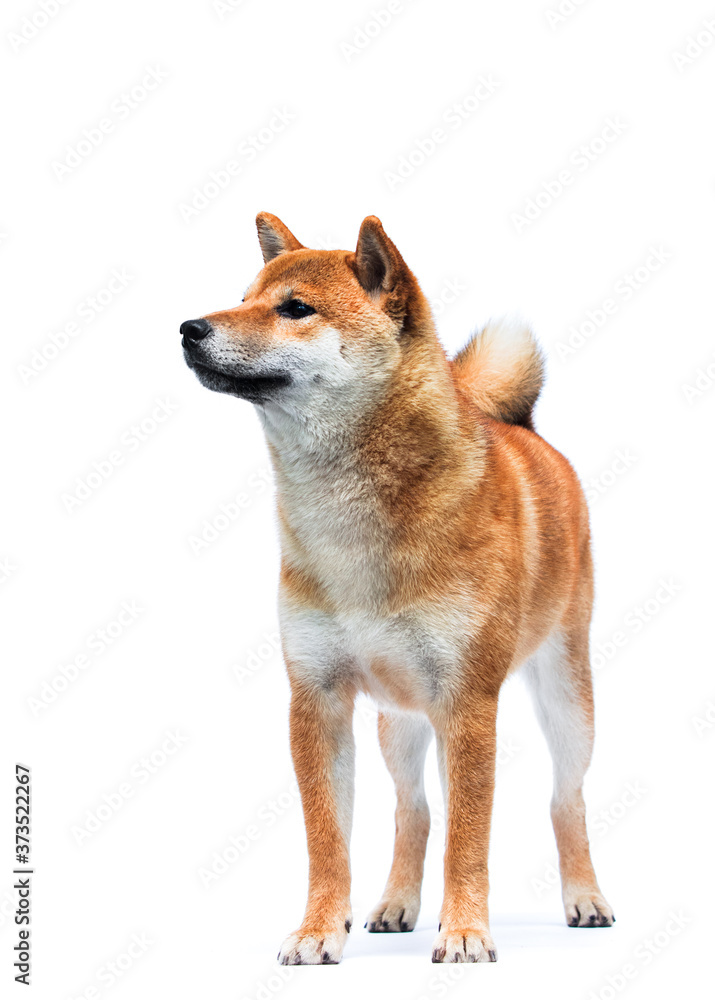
{"x": 194, "y": 330}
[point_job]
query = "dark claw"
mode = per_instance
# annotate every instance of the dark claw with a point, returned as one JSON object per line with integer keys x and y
{"x": 438, "y": 954}
{"x": 404, "y": 926}
{"x": 348, "y": 925}
{"x": 603, "y": 919}
{"x": 492, "y": 955}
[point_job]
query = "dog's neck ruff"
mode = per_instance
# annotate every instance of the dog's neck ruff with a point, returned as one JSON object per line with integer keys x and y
{"x": 350, "y": 485}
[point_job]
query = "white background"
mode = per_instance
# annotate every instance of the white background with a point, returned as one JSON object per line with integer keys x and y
{"x": 196, "y": 660}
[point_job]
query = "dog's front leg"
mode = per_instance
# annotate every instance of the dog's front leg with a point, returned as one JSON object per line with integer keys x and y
{"x": 323, "y": 756}
{"x": 466, "y": 736}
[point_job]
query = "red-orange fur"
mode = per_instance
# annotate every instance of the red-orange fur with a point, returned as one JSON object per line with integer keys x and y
{"x": 469, "y": 512}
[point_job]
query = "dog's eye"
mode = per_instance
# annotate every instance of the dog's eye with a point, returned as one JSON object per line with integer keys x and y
{"x": 295, "y": 309}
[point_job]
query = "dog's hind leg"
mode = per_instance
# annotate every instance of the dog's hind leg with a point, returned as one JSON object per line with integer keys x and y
{"x": 559, "y": 677}
{"x": 404, "y": 740}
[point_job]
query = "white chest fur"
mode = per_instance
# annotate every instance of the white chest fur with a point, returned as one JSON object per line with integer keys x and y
{"x": 408, "y": 660}
{"x": 336, "y": 534}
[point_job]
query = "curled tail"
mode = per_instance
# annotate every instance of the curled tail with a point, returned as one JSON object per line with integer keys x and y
{"x": 501, "y": 369}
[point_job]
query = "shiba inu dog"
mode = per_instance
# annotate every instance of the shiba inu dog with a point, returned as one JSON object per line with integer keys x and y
{"x": 432, "y": 543}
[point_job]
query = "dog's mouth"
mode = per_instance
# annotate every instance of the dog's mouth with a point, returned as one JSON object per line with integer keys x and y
{"x": 255, "y": 388}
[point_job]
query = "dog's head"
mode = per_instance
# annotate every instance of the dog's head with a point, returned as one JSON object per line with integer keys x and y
{"x": 314, "y": 326}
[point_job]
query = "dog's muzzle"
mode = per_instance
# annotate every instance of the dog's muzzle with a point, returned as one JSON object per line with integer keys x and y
{"x": 234, "y": 380}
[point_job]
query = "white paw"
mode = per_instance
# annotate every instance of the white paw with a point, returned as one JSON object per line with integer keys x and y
{"x": 398, "y": 913}
{"x": 314, "y": 947}
{"x": 468, "y": 945}
{"x": 587, "y": 908}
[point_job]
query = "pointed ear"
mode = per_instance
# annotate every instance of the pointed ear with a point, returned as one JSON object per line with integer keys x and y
{"x": 274, "y": 237}
{"x": 378, "y": 263}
